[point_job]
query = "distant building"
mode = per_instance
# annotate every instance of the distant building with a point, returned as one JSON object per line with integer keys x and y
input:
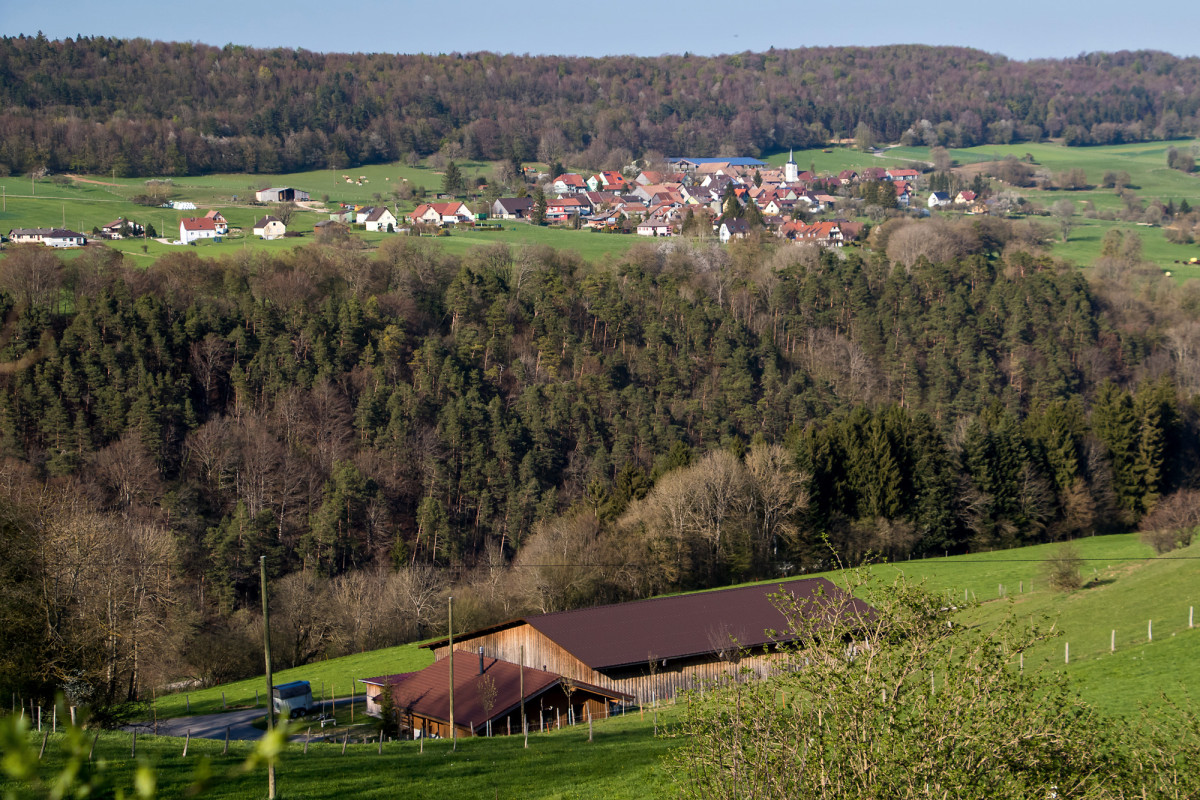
{"x": 51, "y": 237}
{"x": 193, "y": 229}
{"x": 281, "y": 195}
{"x": 270, "y": 228}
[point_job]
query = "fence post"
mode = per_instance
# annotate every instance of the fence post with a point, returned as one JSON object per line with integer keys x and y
{"x": 1191, "y": 610}
{"x": 186, "y": 740}
{"x": 1067, "y": 652}
{"x": 589, "y": 717}
{"x": 1112, "y": 642}
{"x": 93, "y": 750}
{"x": 1150, "y": 631}
{"x": 42, "y": 752}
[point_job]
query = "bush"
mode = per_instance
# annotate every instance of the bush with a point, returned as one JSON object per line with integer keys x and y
{"x": 1062, "y": 569}
{"x": 1173, "y": 522}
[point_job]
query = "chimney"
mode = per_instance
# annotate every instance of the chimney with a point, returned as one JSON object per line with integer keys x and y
{"x": 481, "y": 661}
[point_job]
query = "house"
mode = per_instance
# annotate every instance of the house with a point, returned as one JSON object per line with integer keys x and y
{"x": 903, "y": 174}
{"x": 606, "y": 181}
{"x": 270, "y": 228}
{"x": 346, "y": 215}
{"x": 938, "y": 199}
{"x": 827, "y": 234}
{"x": 381, "y": 219}
{"x": 441, "y": 213}
{"x": 120, "y": 227}
{"x": 512, "y": 208}
{"x": 62, "y": 237}
{"x": 657, "y": 647}
{"x": 281, "y": 195}
{"x": 193, "y": 229}
{"x": 51, "y": 237}
{"x": 654, "y": 227}
{"x": 563, "y": 208}
{"x": 964, "y": 198}
{"x": 693, "y": 165}
{"x": 569, "y": 183}
{"x": 733, "y": 228}
{"x": 491, "y": 697}
{"x": 219, "y": 221}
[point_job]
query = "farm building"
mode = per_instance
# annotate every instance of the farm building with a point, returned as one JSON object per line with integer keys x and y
{"x": 51, "y": 237}
{"x": 487, "y": 690}
{"x": 194, "y": 228}
{"x": 654, "y": 648}
{"x": 269, "y": 228}
{"x": 281, "y": 195}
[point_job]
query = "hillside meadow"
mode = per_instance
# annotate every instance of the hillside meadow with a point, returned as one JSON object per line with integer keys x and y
{"x": 1126, "y": 586}
{"x": 97, "y": 200}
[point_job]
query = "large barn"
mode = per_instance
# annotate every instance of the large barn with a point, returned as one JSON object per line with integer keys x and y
{"x": 652, "y": 649}
{"x": 489, "y": 695}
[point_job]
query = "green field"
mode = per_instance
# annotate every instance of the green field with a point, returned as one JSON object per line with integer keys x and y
{"x": 82, "y": 206}
{"x": 623, "y": 761}
{"x": 1127, "y": 587}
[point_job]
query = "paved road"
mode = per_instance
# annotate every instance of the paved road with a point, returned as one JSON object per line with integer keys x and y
{"x": 212, "y": 726}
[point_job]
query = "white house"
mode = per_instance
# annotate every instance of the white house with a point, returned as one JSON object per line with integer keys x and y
{"x": 192, "y": 229}
{"x": 654, "y": 227}
{"x": 381, "y": 220}
{"x": 441, "y": 213}
{"x": 733, "y": 228}
{"x": 938, "y": 199}
{"x": 270, "y": 228}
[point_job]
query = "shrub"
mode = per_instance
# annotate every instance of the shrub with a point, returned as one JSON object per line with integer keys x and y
{"x": 1062, "y": 569}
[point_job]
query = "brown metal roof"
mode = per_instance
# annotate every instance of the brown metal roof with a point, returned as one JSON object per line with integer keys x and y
{"x": 678, "y": 626}
{"x": 427, "y": 693}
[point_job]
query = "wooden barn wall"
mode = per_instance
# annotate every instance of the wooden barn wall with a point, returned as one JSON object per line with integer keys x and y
{"x": 642, "y": 681}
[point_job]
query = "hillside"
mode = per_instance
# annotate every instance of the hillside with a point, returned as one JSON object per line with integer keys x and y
{"x": 625, "y": 760}
{"x": 139, "y": 108}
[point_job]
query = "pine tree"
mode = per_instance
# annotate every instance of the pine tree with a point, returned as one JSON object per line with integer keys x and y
{"x": 452, "y": 181}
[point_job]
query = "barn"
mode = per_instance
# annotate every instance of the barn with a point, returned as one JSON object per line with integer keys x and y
{"x": 489, "y": 698}
{"x": 652, "y": 649}
{"x": 281, "y": 194}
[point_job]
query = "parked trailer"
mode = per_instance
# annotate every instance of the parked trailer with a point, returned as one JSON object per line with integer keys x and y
{"x": 293, "y": 699}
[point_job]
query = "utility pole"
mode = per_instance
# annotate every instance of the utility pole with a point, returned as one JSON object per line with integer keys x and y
{"x": 450, "y": 614}
{"x": 262, "y": 571}
{"x": 524, "y": 730}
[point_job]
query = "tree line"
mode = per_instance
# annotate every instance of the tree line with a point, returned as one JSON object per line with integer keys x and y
{"x": 142, "y": 108}
{"x": 544, "y": 433}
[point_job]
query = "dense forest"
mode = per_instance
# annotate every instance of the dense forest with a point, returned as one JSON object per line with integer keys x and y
{"x": 541, "y": 433}
{"x": 134, "y": 107}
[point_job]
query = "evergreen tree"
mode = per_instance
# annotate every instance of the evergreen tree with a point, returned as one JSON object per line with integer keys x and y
{"x": 538, "y": 215}
{"x": 452, "y": 181}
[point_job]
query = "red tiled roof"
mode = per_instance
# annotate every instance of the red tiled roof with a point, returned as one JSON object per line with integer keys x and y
{"x": 198, "y": 224}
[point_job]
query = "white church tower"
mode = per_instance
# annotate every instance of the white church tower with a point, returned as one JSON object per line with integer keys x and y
{"x": 790, "y": 173}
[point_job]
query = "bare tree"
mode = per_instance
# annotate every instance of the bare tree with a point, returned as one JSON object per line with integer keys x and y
{"x": 1063, "y": 211}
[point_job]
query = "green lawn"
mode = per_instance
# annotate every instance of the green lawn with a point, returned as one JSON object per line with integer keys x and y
{"x": 623, "y": 761}
{"x": 1127, "y": 587}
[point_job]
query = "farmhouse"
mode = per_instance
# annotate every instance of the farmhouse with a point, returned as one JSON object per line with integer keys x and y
{"x": 51, "y": 237}
{"x": 192, "y": 229}
{"x": 486, "y": 690}
{"x": 733, "y": 228}
{"x": 380, "y": 219}
{"x": 441, "y": 213}
{"x": 270, "y": 228}
{"x": 512, "y": 208}
{"x": 655, "y": 648}
{"x": 281, "y": 195}
{"x": 120, "y": 227}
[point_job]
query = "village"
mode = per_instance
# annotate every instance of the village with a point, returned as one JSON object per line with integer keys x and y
{"x": 726, "y": 197}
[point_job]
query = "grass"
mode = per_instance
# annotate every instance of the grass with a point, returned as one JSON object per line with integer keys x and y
{"x": 1127, "y": 586}
{"x": 336, "y": 675}
{"x": 624, "y": 761}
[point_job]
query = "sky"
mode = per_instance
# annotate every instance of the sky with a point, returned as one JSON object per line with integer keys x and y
{"x": 1020, "y": 29}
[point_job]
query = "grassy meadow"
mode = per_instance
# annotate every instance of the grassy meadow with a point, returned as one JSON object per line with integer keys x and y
{"x": 95, "y": 200}
{"x": 1126, "y": 587}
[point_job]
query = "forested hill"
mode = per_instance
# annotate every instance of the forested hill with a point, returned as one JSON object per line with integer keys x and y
{"x": 544, "y": 432}
{"x": 152, "y": 108}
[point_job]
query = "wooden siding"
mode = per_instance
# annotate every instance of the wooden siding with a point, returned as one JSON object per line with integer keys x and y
{"x": 644, "y": 682}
